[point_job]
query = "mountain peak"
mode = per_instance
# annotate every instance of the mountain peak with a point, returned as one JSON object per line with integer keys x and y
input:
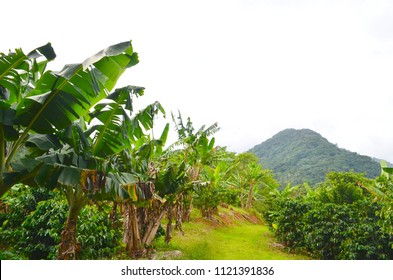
{"x": 303, "y": 155}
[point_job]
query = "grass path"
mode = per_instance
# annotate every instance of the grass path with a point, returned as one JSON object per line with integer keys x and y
{"x": 241, "y": 241}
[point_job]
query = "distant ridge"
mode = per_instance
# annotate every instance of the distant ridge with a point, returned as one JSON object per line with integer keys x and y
{"x": 303, "y": 155}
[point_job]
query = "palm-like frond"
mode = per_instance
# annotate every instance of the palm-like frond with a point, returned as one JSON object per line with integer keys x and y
{"x": 18, "y": 71}
{"x": 76, "y": 137}
{"x": 111, "y": 133}
{"x": 195, "y": 140}
{"x": 116, "y": 131}
{"x": 179, "y": 126}
{"x": 214, "y": 128}
{"x": 144, "y": 119}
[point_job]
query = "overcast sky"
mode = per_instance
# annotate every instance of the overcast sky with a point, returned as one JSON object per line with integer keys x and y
{"x": 255, "y": 67}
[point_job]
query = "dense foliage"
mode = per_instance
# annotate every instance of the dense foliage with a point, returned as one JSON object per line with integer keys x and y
{"x": 94, "y": 183}
{"x": 337, "y": 220}
{"x": 298, "y": 156}
{"x": 34, "y": 219}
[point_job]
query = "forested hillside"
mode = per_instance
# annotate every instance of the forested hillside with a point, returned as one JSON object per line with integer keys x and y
{"x": 303, "y": 155}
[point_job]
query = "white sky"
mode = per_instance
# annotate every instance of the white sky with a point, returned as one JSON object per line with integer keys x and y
{"x": 255, "y": 67}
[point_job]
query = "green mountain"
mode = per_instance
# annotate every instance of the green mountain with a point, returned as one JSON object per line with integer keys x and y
{"x": 298, "y": 156}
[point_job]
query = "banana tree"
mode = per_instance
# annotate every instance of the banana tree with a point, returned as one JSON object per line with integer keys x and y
{"x": 209, "y": 193}
{"x": 143, "y": 206}
{"x": 198, "y": 150}
{"x": 165, "y": 173}
{"x": 253, "y": 174}
{"x": 173, "y": 183}
{"x": 39, "y": 102}
{"x": 249, "y": 177}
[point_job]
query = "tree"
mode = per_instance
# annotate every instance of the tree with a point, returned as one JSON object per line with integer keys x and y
{"x": 63, "y": 151}
{"x": 147, "y": 200}
{"x": 211, "y": 191}
{"x": 172, "y": 183}
{"x": 94, "y": 174}
{"x": 249, "y": 176}
{"x": 31, "y": 96}
{"x": 198, "y": 150}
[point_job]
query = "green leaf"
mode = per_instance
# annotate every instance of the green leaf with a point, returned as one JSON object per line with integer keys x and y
{"x": 7, "y": 114}
{"x": 43, "y": 142}
{"x": 124, "y": 96}
{"x": 385, "y": 168}
{"x": 10, "y": 133}
{"x": 164, "y": 135}
{"x": 59, "y": 99}
{"x": 116, "y": 184}
{"x": 211, "y": 144}
{"x": 115, "y": 129}
{"x": 48, "y": 175}
{"x": 110, "y": 137}
{"x": 145, "y": 118}
{"x": 76, "y": 137}
{"x": 24, "y": 176}
{"x": 69, "y": 176}
{"x": 45, "y": 50}
{"x": 17, "y": 70}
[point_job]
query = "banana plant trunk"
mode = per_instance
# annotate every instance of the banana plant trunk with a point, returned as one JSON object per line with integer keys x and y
{"x": 179, "y": 216}
{"x": 155, "y": 221}
{"x": 132, "y": 234}
{"x": 169, "y": 226}
{"x": 69, "y": 246}
{"x": 187, "y": 213}
{"x": 141, "y": 226}
{"x": 186, "y": 202}
{"x": 242, "y": 199}
{"x": 207, "y": 212}
{"x": 250, "y": 196}
{"x": 187, "y": 198}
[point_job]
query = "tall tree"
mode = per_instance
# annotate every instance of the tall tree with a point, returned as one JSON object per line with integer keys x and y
{"x": 31, "y": 97}
{"x": 198, "y": 150}
{"x": 249, "y": 176}
{"x": 71, "y": 151}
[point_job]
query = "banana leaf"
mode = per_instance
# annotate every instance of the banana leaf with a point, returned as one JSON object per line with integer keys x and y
{"x": 18, "y": 70}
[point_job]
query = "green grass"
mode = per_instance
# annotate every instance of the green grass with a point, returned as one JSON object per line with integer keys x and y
{"x": 239, "y": 241}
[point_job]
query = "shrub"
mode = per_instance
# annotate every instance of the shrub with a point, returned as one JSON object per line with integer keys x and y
{"x": 19, "y": 203}
{"x": 288, "y": 221}
{"x": 99, "y": 236}
{"x": 32, "y": 229}
{"x": 41, "y": 230}
{"x": 335, "y": 221}
{"x": 332, "y": 231}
